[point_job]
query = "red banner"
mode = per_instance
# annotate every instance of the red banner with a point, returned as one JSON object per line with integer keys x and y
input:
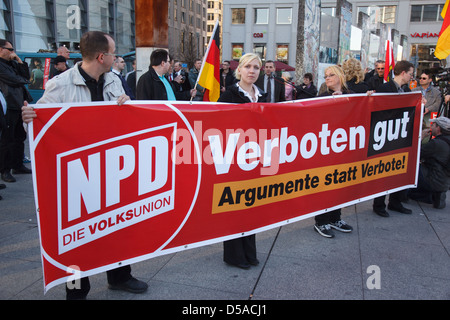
{"x": 115, "y": 185}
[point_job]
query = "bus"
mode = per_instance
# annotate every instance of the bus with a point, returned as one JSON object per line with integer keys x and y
{"x": 41, "y": 63}
{"x": 44, "y": 62}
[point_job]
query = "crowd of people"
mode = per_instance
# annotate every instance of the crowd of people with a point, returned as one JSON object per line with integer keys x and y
{"x": 91, "y": 80}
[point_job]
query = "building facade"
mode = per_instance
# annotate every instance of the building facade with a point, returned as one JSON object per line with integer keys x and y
{"x": 33, "y": 25}
{"x": 266, "y": 27}
{"x": 187, "y": 29}
{"x": 215, "y": 13}
{"x": 347, "y": 28}
{"x": 418, "y": 21}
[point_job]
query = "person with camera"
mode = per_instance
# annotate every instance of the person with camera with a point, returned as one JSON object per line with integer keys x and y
{"x": 153, "y": 85}
{"x": 434, "y": 169}
{"x": 432, "y": 96}
{"x": 179, "y": 80}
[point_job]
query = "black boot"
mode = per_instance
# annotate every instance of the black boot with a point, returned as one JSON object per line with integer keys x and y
{"x": 439, "y": 200}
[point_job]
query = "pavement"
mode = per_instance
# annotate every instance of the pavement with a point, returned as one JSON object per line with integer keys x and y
{"x": 402, "y": 257}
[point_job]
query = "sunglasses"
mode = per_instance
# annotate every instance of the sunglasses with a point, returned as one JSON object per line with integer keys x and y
{"x": 423, "y": 78}
{"x": 9, "y": 49}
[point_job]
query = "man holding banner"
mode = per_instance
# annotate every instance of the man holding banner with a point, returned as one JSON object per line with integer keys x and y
{"x": 90, "y": 80}
{"x": 403, "y": 72}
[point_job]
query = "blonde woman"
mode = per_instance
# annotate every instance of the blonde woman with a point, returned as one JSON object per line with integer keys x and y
{"x": 354, "y": 76}
{"x": 336, "y": 85}
{"x": 245, "y": 89}
{"x": 241, "y": 252}
{"x": 335, "y": 82}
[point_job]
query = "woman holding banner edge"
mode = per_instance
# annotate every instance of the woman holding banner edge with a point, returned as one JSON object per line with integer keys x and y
{"x": 336, "y": 85}
{"x": 241, "y": 252}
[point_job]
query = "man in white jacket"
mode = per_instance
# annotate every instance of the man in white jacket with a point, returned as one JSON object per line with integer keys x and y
{"x": 90, "y": 80}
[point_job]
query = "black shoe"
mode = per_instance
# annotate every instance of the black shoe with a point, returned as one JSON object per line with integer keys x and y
{"x": 7, "y": 177}
{"x": 381, "y": 212}
{"x": 254, "y": 262}
{"x": 324, "y": 230}
{"x": 2, "y": 186}
{"x": 21, "y": 169}
{"x": 400, "y": 209}
{"x": 133, "y": 285}
{"x": 244, "y": 265}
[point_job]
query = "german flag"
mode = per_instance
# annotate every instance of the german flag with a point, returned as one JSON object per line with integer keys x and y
{"x": 209, "y": 77}
{"x": 443, "y": 44}
{"x": 389, "y": 59}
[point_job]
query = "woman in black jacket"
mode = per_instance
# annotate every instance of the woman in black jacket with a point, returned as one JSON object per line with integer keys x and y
{"x": 354, "y": 75}
{"x": 241, "y": 252}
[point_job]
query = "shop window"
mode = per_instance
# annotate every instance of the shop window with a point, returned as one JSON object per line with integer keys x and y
{"x": 238, "y": 16}
{"x": 261, "y": 16}
{"x": 284, "y": 15}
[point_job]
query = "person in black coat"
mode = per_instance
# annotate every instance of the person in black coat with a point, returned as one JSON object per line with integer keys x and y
{"x": 14, "y": 75}
{"x": 377, "y": 78}
{"x": 276, "y": 91}
{"x": 179, "y": 79}
{"x": 241, "y": 252}
{"x": 226, "y": 76}
{"x": 307, "y": 89}
{"x": 354, "y": 76}
{"x": 403, "y": 72}
{"x": 153, "y": 85}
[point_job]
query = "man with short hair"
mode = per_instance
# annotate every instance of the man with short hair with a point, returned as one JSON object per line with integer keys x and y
{"x": 91, "y": 80}
{"x": 431, "y": 94}
{"x": 14, "y": 75}
{"x": 378, "y": 76}
{"x": 179, "y": 78}
{"x": 62, "y": 52}
{"x": 153, "y": 85}
{"x": 117, "y": 68}
{"x": 193, "y": 76}
{"x": 271, "y": 84}
{"x": 226, "y": 76}
{"x": 434, "y": 169}
{"x": 403, "y": 72}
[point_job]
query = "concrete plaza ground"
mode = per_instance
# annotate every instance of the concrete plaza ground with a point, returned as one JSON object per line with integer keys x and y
{"x": 403, "y": 257}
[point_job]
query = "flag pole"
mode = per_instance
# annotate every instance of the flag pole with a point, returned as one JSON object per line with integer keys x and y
{"x": 206, "y": 55}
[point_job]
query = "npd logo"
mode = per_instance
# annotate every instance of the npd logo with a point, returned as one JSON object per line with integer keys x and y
{"x": 114, "y": 184}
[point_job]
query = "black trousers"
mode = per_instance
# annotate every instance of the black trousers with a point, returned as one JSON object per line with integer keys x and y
{"x": 326, "y": 218}
{"x": 115, "y": 276}
{"x": 12, "y": 140}
{"x": 240, "y": 250}
{"x": 395, "y": 199}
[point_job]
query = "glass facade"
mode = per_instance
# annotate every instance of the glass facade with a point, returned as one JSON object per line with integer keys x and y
{"x": 47, "y": 24}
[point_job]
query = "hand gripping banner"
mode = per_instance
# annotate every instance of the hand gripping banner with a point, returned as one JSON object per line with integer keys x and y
{"x": 115, "y": 185}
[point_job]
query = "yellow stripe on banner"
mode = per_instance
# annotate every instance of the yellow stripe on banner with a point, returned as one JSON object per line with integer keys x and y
{"x": 443, "y": 45}
{"x": 209, "y": 82}
{"x": 240, "y": 195}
